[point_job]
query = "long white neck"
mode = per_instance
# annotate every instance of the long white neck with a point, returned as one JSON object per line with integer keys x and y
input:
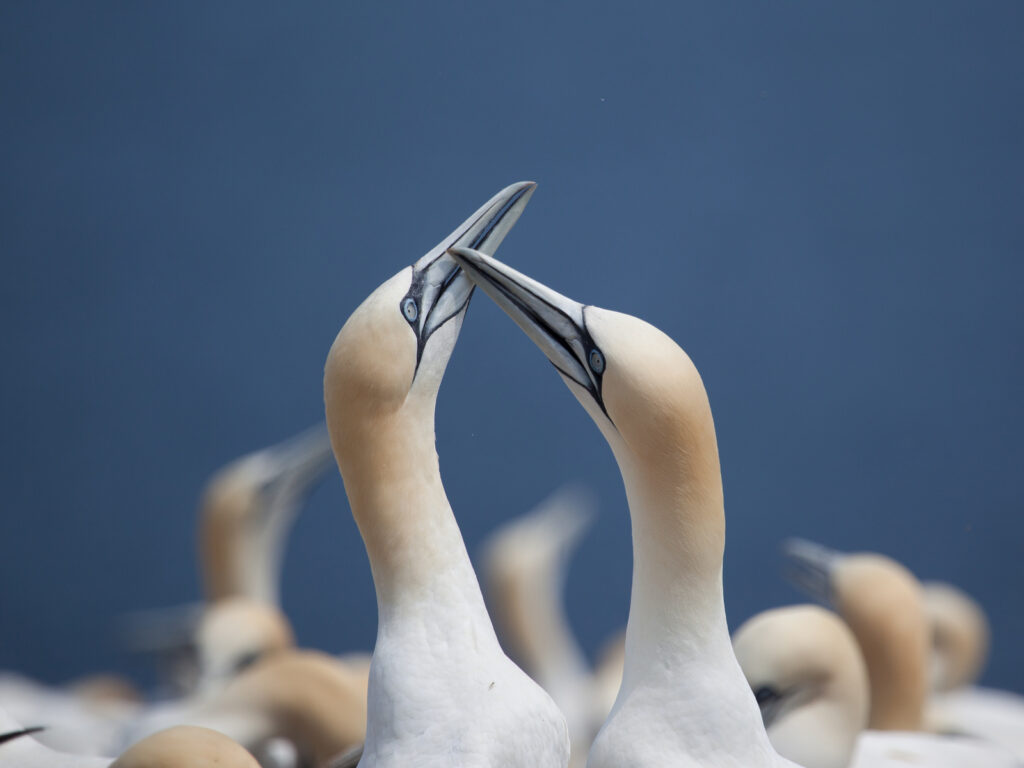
{"x": 679, "y": 662}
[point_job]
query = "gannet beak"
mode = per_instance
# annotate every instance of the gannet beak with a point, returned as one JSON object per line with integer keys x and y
{"x": 302, "y": 459}
{"x": 810, "y": 566}
{"x": 439, "y": 288}
{"x": 554, "y": 322}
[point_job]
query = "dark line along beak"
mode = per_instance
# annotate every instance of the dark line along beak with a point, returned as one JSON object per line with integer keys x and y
{"x": 439, "y": 290}
{"x": 11, "y": 735}
{"x": 554, "y": 322}
{"x": 809, "y": 567}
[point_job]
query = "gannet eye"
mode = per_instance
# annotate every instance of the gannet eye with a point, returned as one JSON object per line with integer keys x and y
{"x": 769, "y": 701}
{"x": 409, "y": 309}
{"x": 765, "y": 695}
{"x": 596, "y": 361}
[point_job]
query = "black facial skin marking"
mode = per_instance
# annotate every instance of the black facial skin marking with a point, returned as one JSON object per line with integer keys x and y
{"x": 426, "y": 320}
{"x": 247, "y": 661}
{"x": 12, "y": 735}
{"x": 592, "y": 385}
{"x": 769, "y": 700}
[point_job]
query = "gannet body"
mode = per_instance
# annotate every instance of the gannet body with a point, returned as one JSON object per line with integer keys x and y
{"x": 986, "y": 713}
{"x": 683, "y": 700}
{"x": 441, "y": 690}
{"x": 809, "y": 677}
{"x": 182, "y": 747}
{"x": 525, "y": 564}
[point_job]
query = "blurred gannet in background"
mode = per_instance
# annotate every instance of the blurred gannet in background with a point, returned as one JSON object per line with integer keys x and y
{"x": 76, "y": 721}
{"x": 246, "y": 512}
{"x": 809, "y": 678}
{"x": 683, "y": 700}
{"x": 441, "y": 691}
{"x": 959, "y": 636}
{"x": 525, "y": 564}
{"x": 248, "y": 509}
{"x": 181, "y": 747}
{"x": 960, "y": 639}
{"x": 234, "y": 633}
{"x": 608, "y": 676}
{"x": 307, "y": 698}
{"x": 881, "y": 602}
{"x": 811, "y": 682}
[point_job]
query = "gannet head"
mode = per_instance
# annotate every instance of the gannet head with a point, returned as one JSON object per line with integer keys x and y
{"x": 246, "y": 509}
{"x": 311, "y": 699}
{"x": 235, "y": 633}
{"x": 186, "y": 745}
{"x": 391, "y": 353}
{"x": 959, "y": 635}
{"x": 881, "y": 602}
{"x": 640, "y": 388}
{"x": 809, "y": 678}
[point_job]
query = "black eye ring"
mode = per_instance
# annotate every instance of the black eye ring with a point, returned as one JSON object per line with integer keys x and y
{"x": 410, "y": 309}
{"x": 596, "y": 360}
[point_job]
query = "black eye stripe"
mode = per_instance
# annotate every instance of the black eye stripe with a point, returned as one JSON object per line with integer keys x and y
{"x": 428, "y": 319}
{"x": 593, "y": 386}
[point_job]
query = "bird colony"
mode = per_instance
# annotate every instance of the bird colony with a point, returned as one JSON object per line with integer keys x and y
{"x": 879, "y": 670}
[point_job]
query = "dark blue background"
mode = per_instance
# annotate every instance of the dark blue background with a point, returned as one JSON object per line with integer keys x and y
{"x": 821, "y": 204}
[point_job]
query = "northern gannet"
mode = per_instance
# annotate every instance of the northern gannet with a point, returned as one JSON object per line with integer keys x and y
{"x": 441, "y": 691}
{"x": 76, "y": 724}
{"x": 525, "y": 562}
{"x": 247, "y": 510}
{"x": 234, "y": 633}
{"x": 307, "y": 698}
{"x": 960, "y": 639}
{"x": 959, "y": 635}
{"x": 683, "y": 699}
{"x": 880, "y": 600}
{"x": 809, "y": 677}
